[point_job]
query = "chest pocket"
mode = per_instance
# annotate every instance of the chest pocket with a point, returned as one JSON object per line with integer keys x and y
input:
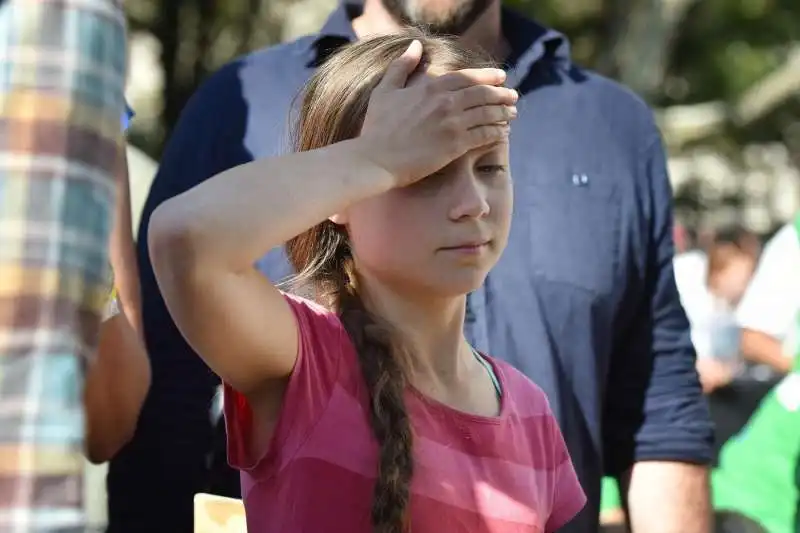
{"x": 572, "y": 224}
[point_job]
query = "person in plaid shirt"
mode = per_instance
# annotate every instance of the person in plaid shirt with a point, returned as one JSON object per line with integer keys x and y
{"x": 62, "y": 68}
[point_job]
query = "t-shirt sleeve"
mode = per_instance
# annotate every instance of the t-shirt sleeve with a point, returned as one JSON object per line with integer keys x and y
{"x": 568, "y": 495}
{"x": 321, "y": 343}
{"x": 770, "y": 303}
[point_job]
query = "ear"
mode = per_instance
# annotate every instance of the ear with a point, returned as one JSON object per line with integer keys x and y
{"x": 340, "y": 219}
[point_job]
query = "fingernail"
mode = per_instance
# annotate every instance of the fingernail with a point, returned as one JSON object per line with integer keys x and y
{"x": 513, "y": 110}
{"x": 501, "y": 73}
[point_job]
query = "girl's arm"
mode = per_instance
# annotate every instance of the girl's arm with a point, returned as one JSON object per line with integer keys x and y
{"x": 204, "y": 242}
{"x": 116, "y": 386}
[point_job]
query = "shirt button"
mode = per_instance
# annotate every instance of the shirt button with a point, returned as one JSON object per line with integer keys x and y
{"x": 580, "y": 180}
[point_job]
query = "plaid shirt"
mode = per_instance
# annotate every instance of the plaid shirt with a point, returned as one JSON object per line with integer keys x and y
{"x": 62, "y": 66}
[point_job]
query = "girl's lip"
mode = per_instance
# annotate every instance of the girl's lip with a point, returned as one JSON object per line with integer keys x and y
{"x": 470, "y": 246}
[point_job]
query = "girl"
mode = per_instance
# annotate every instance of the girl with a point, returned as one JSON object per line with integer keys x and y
{"x": 370, "y": 412}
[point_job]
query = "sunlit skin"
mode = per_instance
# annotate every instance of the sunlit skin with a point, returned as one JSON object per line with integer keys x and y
{"x": 440, "y": 236}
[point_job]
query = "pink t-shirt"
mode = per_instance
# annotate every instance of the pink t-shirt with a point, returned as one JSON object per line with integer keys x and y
{"x": 504, "y": 474}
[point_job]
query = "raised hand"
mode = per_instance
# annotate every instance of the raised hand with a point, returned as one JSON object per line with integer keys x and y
{"x": 412, "y": 131}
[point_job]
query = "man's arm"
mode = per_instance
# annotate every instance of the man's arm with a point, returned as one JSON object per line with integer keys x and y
{"x": 658, "y": 433}
{"x": 668, "y": 497}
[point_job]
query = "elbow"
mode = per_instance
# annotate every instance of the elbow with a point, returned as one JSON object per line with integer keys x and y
{"x": 172, "y": 241}
{"x": 100, "y": 452}
{"x": 108, "y": 432}
{"x": 96, "y": 456}
{"x": 116, "y": 388}
{"x": 105, "y": 441}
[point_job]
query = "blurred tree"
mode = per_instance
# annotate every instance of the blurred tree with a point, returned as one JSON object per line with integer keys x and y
{"x": 728, "y": 71}
{"x": 196, "y": 37}
{"x": 671, "y": 52}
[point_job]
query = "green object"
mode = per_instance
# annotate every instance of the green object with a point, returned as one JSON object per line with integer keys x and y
{"x": 759, "y": 471}
{"x": 609, "y": 495}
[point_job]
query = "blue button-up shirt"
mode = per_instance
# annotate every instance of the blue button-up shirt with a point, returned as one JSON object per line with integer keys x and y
{"x": 583, "y": 300}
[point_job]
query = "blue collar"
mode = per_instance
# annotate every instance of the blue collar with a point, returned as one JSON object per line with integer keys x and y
{"x": 529, "y": 40}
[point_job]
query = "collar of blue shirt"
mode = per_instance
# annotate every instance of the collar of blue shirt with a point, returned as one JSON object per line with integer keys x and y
{"x": 529, "y": 40}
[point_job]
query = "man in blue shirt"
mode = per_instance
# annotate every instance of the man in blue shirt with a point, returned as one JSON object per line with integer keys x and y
{"x": 583, "y": 301}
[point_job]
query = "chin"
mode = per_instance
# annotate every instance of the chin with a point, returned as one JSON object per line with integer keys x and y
{"x": 459, "y": 283}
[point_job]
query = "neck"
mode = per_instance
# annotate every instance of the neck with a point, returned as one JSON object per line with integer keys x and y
{"x": 485, "y": 34}
{"x": 431, "y": 329}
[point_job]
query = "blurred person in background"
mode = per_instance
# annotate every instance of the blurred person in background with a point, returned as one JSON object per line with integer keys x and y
{"x": 583, "y": 300}
{"x": 681, "y": 237}
{"x": 759, "y": 471}
{"x": 769, "y": 309}
{"x": 710, "y": 282}
{"x": 710, "y": 293}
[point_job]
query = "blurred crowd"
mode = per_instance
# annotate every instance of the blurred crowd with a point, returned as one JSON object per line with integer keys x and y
{"x": 741, "y": 294}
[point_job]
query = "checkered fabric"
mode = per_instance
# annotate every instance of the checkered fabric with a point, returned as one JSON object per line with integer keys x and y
{"x": 62, "y": 66}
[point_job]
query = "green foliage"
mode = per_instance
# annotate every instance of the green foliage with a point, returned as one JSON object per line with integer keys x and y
{"x": 713, "y": 50}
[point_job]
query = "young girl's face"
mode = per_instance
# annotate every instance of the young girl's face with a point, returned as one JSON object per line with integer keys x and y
{"x": 440, "y": 236}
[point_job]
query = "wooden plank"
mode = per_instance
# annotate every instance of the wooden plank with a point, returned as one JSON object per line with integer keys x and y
{"x": 217, "y": 514}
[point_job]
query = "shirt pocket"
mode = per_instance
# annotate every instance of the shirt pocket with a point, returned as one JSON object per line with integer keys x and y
{"x": 572, "y": 225}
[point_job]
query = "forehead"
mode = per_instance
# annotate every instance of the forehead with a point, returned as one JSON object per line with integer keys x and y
{"x": 433, "y": 72}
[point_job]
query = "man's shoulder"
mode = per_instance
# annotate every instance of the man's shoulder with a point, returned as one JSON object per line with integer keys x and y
{"x": 601, "y": 107}
{"x": 606, "y": 87}
{"x": 289, "y": 53}
{"x": 266, "y": 67}
{"x": 617, "y": 103}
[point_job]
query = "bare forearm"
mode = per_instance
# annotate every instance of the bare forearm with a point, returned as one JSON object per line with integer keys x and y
{"x": 122, "y": 253}
{"x": 116, "y": 386}
{"x": 668, "y": 497}
{"x": 239, "y": 214}
{"x": 760, "y": 348}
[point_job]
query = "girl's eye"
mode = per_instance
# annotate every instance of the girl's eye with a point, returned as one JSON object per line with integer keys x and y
{"x": 430, "y": 184}
{"x": 492, "y": 170}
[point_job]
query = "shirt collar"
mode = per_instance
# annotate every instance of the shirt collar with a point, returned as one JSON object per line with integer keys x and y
{"x": 529, "y": 40}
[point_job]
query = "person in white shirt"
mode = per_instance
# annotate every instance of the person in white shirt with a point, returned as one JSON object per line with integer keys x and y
{"x": 710, "y": 286}
{"x": 768, "y": 313}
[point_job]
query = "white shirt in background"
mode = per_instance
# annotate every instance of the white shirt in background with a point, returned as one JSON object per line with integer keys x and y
{"x": 715, "y": 332}
{"x": 771, "y": 303}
